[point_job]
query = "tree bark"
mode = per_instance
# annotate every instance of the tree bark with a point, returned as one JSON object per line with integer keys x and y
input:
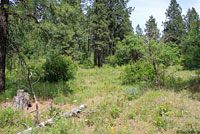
{"x": 88, "y": 53}
{"x": 22, "y": 100}
{"x": 95, "y": 57}
{"x": 100, "y": 57}
{"x": 3, "y": 41}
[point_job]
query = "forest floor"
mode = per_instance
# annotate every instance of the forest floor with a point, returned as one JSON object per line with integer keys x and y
{"x": 116, "y": 110}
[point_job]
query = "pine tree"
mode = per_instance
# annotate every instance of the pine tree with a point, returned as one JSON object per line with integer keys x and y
{"x": 151, "y": 30}
{"x": 139, "y": 31}
{"x": 192, "y": 23}
{"x": 191, "y": 42}
{"x": 64, "y": 25}
{"x": 100, "y": 31}
{"x": 119, "y": 22}
{"x": 110, "y": 23}
{"x": 173, "y": 26}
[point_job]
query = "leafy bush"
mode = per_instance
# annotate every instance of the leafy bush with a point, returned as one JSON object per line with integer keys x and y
{"x": 112, "y": 60}
{"x": 8, "y": 117}
{"x": 36, "y": 66}
{"x": 11, "y": 121}
{"x": 127, "y": 51}
{"x": 137, "y": 72}
{"x": 59, "y": 68}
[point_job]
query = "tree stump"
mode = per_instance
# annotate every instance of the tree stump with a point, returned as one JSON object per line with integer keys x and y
{"x": 22, "y": 100}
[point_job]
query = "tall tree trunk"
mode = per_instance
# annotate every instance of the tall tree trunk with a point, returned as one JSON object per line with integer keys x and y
{"x": 95, "y": 57}
{"x": 88, "y": 51}
{"x": 3, "y": 41}
{"x": 100, "y": 57}
{"x": 110, "y": 48}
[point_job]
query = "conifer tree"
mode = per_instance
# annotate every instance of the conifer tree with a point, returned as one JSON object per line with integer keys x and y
{"x": 139, "y": 31}
{"x": 192, "y": 23}
{"x": 191, "y": 42}
{"x": 100, "y": 31}
{"x": 173, "y": 25}
{"x": 119, "y": 22}
{"x": 111, "y": 19}
{"x": 151, "y": 30}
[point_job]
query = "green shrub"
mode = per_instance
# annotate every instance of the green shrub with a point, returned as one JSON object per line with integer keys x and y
{"x": 59, "y": 68}
{"x": 112, "y": 60}
{"x": 137, "y": 72}
{"x": 8, "y": 117}
{"x": 129, "y": 50}
{"x": 36, "y": 66}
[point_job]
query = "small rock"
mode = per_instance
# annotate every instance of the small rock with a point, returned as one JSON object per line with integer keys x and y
{"x": 74, "y": 101}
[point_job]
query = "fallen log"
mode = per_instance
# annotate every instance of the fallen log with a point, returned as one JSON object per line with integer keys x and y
{"x": 73, "y": 112}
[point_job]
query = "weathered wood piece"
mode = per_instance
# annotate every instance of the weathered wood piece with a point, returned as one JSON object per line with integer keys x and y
{"x": 22, "y": 100}
{"x": 73, "y": 112}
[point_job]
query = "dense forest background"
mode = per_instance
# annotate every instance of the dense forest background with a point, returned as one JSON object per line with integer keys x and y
{"x": 44, "y": 42}
{"x": 94, "y": 33}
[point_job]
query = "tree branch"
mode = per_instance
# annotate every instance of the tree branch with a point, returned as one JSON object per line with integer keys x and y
{"x": 73, "y": 112}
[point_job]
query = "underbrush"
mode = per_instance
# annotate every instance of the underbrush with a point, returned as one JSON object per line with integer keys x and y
{"x": 13, "y": 121}
{"x": 49, "y": 77}
{"x": 117, "y": 108}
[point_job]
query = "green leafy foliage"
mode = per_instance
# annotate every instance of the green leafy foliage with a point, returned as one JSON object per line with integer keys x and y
{"x": 137, "y": 72}
{"x": 12, "y": 118}
{"x": 12, "y": 121}
{"x": 161, "y": 56}
{"x": 154, "y": 59}
{"x": 129, "y": 50}
{"x": 59, "y": 68}
{"x": 8, "y": 117}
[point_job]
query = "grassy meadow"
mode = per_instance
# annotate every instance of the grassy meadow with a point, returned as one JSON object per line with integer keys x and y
{"x": 113, "y": 108}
